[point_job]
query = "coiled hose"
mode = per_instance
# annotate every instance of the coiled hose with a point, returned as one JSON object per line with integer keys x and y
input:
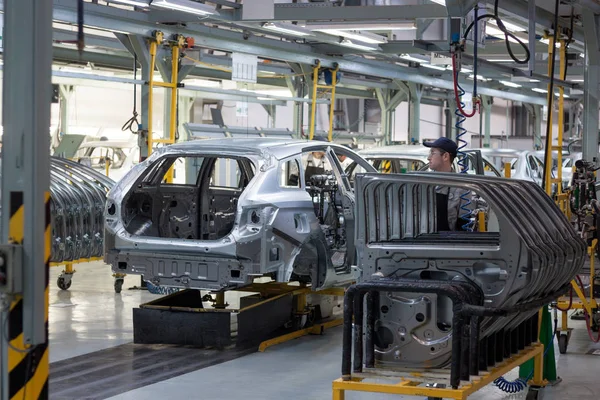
{"x": 463, "y": 161}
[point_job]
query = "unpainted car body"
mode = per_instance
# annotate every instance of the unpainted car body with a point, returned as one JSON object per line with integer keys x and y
{"x": 255, "y": 207}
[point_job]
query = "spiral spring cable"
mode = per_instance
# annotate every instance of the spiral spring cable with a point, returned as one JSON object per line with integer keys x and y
{"x": 520, "y": 383}
{"x": 463, "y": 161}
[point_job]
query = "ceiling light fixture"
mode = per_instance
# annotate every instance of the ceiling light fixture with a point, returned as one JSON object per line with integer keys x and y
{"x": 495, "y": 32}
{"x": 286, "y": 28}
{"x": 136, "y": 3}
{"x": 364, "y": 26}
{"x": 502, "y": 60}
{"x": 539, "y": 90}
{"x": 408, "y": 57}
{"x": 364, "y": 37}
{"x": 509, "y": 26}
{"x": 188, "y": 6}
{"x": 440, "y": 2}
{"x": 479, "y": 77}
{"x": 511, "y": 84}
{"x": 433, "y": 67}
{"x": 547, "y": 41}
{"x": 349, "y": 43}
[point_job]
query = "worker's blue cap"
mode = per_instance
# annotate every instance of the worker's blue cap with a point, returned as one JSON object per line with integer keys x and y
{"x": 449, "y": 146}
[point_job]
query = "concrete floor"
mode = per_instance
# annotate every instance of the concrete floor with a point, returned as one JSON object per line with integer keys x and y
{"x": 91, "y": 317}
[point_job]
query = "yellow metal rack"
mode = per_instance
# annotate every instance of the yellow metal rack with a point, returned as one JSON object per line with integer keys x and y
{"x": 415, "y": 383}
{"x": 331, "y": 88}
{"x": 176, "y": 46}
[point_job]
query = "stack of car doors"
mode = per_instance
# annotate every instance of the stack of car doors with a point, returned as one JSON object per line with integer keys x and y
{"x": 458, "y": 298}
{"x": 78, "y": 195}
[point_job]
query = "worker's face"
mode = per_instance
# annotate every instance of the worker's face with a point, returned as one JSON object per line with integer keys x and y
{"x": 439, "y": 160}
{"x": 318, "y": 154}
{"x": 341, "y": 157}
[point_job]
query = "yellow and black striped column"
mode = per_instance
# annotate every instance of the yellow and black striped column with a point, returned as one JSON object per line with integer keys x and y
{"x": 28, "y": 366}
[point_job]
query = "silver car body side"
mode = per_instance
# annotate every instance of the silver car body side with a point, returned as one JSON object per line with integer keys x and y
{"x": 287, "y": 223}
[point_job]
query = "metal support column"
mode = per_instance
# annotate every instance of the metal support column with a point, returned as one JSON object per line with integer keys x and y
{"x": 138, "y": 47}
{"x": 271, "y": 110}
{"x": 414, "y": 112}
{"x": 537, "y": 126}
{"x": 297, "y": 88}
{"x": 65, "y": 93}
{"x": 388, "y": 102}
{"x": 25, "y": 249}
{"x": 592, "y": 82}
{"x": 487, "y": 102}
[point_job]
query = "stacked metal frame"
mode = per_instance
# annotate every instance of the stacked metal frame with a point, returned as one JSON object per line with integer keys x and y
{"x": 464, "y": 299}
{"x": 78, "y": 196}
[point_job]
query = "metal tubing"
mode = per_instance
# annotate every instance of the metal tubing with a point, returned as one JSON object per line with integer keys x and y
{"x": 313, "y": 109}
{"x": 483, "y": 354}
{"x": 347, "y": 333}
{"x": 507, "y": 344}
{"x": 153, "y": 46}
{"x": 491, "y": 350}
{"x": 455, "y": 367}
{"x": 464, "y": 350}
{"x": 332, "y": 103}
{"x": 500, "y": 345}
{"x": 521, "y": 335}
{"x": 534, "y": 328}
{"x": 474, "y": 348}
{"x": 514, "y": 341}
{"x": 358, "y": 332}
{"x": 372, "y": 306}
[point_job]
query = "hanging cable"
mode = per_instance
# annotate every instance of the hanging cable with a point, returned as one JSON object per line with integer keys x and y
{"x": 507, "y": 35}
{"x": 551, "y": 94}
{"x": 133, "y": 121}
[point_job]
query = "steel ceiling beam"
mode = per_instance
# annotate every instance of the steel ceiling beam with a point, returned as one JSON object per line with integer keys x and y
{"x": 133, "y": 22}
{"x": 320, "y": 12}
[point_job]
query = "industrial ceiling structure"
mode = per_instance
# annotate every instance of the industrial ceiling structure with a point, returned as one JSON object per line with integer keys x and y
{"x": 396, "y": 44}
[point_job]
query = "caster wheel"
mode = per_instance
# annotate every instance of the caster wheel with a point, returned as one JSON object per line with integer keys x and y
{"x": 118, "y": 285}
{"x": 563, "y": 341}
{"x": 62, "y": 283}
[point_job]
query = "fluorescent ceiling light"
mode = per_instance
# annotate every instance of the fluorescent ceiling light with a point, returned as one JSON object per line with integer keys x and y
{"x": 364, "y": 37}
{"x": 534, "y": 80}
{"x": 286, "y": 28}
{"x": 433, "y": 67}
{"x": 464, "y": 70}
{"x": 411, "y": 58}
{"x": 479, "y": 77}
{"x": 348, "y": 43}
{"x": 547, "y": 41}
{"x": 137, "y": 3}
{"x": 495, "y": 32}
{"x": 188, "y": 6}
{"x": 440, "y": 2}
{"x": 577, "y": 80}
{"x": 509, "y": 83}
{"x": 509, "y": 26}
{"x": 387, "y": 26}
{"x": 502, "y": 60}
{"x": 539, "y": 90}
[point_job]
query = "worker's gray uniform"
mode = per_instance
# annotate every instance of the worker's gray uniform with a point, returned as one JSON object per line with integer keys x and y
{"x": 454, "y": 203}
